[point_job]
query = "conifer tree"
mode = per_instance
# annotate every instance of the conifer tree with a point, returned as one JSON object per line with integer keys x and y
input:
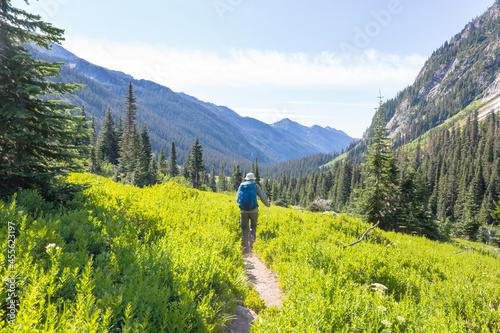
{"x": 186, "y": 168}
{"x": 146, "y": 142}
{"x": 378, "y": 199}
{"x": 37, "y": 136}
{"x": 127, "y": 162}
{"x": 222, "y": 180}
{"x": 162, "y": 162}
{"x": 256, "y": 171}
{"x": 236, "y": 177}
{"x": 107, "y": 140}
{"x": 173, "y": 170}
{"x": 196, "y": 163}
{"x": 93, "y": 133}
{"x": 212, "y": 182}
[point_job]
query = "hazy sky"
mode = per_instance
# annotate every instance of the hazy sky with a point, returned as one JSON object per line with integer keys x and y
{"x": 316, "y": 61}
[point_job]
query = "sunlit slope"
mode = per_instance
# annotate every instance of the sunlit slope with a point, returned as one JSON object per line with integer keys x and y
{"x": 431, "y": 286}
{"x": 168, "y": 259}
{"x": 159, "y": 259}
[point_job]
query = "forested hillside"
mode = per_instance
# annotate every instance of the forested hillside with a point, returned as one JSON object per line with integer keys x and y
{"x": 170, "y": 116}
{"x": 444, "y": 133}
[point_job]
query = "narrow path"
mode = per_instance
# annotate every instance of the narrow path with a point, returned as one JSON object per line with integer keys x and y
{"x": 265, "y": 283}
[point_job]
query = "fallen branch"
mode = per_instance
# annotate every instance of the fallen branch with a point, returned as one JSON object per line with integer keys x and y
{"x": 362, "y": 237}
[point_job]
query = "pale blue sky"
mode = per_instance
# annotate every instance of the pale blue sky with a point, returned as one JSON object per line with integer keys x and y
{"x": 315, "y": 62}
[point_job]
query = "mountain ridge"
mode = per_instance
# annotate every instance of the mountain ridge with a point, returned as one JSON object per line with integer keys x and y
{"x": 461, "y": 71}
{"x": 225, "y": 135}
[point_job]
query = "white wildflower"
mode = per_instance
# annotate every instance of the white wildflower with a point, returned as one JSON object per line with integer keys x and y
{"x": 382, "y": 308}
{"x": 386, "y": 323}
{"x": 51, "y": 246}
{"x": 401, "y": 319}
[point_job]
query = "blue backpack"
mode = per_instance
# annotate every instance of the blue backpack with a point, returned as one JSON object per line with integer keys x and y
{"x": 247, "y": 198}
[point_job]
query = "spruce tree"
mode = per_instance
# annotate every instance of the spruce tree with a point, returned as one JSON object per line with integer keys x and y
{"x": 173, "y": 170}
{"x": 196, "y": 163}
{"x": 146, "y": 142}
{"x": 222, "y": 180}
{"x": 256, "y": 172}
{"x": 186, "y": 168}
{"x": 162, "y": 162}
{"x": 212, "y": 182}
{"x": 107, "y": 140}
{"x": 236, "y": 177}
{"x": 37, "y": 136}
{"x": 127, "y": 162}
{"x": 377, "y": 201}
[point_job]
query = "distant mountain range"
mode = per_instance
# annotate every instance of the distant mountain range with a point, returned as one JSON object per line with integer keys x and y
{"x": 225, "y": 135}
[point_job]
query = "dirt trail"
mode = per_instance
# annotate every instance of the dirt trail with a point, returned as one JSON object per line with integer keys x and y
{"x": 265, "y": 283}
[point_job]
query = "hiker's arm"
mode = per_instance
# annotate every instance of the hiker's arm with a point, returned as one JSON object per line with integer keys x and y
{"x": 262, "y": 195}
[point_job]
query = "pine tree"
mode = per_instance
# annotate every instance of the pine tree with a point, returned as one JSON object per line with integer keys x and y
{"x": 413, "y": 215}
{"x": 236, "y": 177}
{"x": 222, "y": 180}
{"x": 186, "y": 168}
{"x": 127, "y": 162}
{"x": 162, "y": 162}
{"x": 93, "y": 133}
{"x": 196, "y": 163}
{"x": 256, "y": 172}
{"x": 107, "y": 140}
{"x": 212, "y": 183}
{"x": 37, "y": 136}
{"x": 130, "y": 110}
{"x": 173, "y": 170}
{"x": 146, "y": 142}
{"x": 378, "y": 199}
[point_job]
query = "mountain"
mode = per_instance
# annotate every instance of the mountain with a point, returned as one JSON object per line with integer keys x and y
{"x": 445, "y": 130}
{"x": 225, "y": 135}
{"x": 326, "y": 139}
{"x": 270, "y": 137}
{"x": 462, "y": 71}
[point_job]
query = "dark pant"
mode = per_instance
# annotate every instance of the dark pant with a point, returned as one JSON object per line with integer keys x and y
{"x": 249, "y": 235}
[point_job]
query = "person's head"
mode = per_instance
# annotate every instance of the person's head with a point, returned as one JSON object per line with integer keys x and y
{"x": 251, "y": 177}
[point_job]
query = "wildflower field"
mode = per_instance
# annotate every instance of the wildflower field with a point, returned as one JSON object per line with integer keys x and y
{"x": 116, "y": 258}
{"x": 387, "y": 283}
{"x": 123, "y": 259}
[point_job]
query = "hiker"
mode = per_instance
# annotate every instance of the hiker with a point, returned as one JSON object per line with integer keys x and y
{"x": 249, "y": 208}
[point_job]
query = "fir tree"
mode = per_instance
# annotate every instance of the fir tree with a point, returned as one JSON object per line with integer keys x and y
{"x": 146, "y": 142}
{"x": 222, "y": 180}
{"x": 212, "y": 183}
{"x": 196, "y": 163}
{"x": 378, "y": 199}
{"x": 173, "y": 170}
{"x": 127, "y": 162}
{"x": 236, "y": 177}
{"x": 186, "y": 168}
{"x": 256, "y": 171}
{"x": 162, "y": 162}
{"x": 37, "y": 136}
{"x": 107, "y": 141}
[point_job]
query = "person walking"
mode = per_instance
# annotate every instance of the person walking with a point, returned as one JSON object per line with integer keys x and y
{"x": 249, "y": 208}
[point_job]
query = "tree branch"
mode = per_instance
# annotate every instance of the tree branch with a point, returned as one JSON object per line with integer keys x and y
{"x": 362, "y": 237}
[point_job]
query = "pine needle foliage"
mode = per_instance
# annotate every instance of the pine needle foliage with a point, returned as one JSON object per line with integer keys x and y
{"x": 38, "y": 137}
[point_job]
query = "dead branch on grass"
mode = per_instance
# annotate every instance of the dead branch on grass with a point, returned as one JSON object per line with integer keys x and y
{"x": 363, "y": 236}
